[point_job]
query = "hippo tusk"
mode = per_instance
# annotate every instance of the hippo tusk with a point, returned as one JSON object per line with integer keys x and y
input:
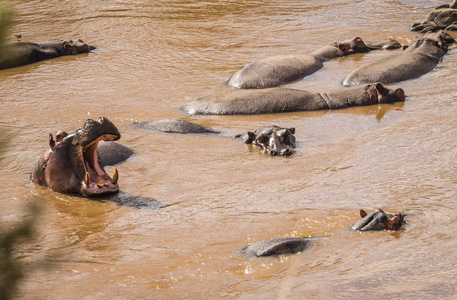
{"x": 87, "y": 178}
{"x": 115, "y": 177}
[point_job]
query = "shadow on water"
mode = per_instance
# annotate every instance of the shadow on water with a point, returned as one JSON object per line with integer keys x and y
{"x": 128, "y": 200}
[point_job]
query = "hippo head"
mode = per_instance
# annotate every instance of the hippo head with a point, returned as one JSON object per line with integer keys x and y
{"x": 379, "y": 220}
{"x": 273, "y": 140}
{"x": 76, "y": 47}
{"x": 355, "y": 45}
{"x": 72, "y": 163}
{"x": 377, "y": 94}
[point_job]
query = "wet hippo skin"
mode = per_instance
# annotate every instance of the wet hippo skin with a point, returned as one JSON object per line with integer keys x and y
{"x": 24, "y": 53}
{"x": 419, "y": 58}
{"x": 281, "y": 69}
{"x": 280, "y": 100}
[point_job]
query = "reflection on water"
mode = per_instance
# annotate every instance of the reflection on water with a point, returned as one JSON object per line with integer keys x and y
{"x": 213, "y": 194}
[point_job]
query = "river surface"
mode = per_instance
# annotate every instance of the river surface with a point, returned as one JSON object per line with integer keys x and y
{"x": 214, "y": 194}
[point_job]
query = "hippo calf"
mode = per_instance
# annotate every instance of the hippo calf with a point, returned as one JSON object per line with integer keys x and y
{"x": 280, "y": 100}
{"x": 281, "y": 69}
{"x": 272, "y": 139}
{"x": 72, "y": 163}
{"x": 379, "y": 220}
{"x": 23, "y": 53}
{"x": 419, "y": 58}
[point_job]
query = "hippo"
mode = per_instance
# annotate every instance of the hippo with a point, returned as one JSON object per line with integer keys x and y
{"x": 72, "y": 163}
{"x": 272, "y": 139}
{"x": 23, "y": 53}
{"x": 442, "y": 17}
{"x": 278, "y": 246}
{"x": 174, "y": 126}
{"x": 379, "y": 220}
{"x": 112, "y": 153}
{"x": 282, "y": 69}
{"x": 281, "y": 99}
{"x": 419, "y": 58}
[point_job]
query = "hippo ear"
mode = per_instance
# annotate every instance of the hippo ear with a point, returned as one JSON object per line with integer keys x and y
{"x": 52, "y": 143}
{"x": 249, "y": 137}
{"x": 292, "y": 130}
{"x": 380, "y": 88}
{"x": 363, "y": 213}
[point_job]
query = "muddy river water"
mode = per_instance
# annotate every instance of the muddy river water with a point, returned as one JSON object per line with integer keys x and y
{"x": 215, "y": 194}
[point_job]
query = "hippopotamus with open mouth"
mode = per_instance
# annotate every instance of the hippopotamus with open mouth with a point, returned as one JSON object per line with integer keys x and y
{"x": 23, "y": 53}
{"x": 419, "y": 58}
{"x": 379, "y": 220}
{"x": 72, "y": 163}
{"x": 280, "y": 100}
{"x": 282, "y": 69}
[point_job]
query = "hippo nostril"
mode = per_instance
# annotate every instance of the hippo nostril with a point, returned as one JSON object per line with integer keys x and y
{"x": 273, "y": 153}
{"x": 286, "y": 152}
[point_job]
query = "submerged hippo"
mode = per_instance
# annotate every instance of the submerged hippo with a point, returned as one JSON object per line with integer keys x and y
{"x": 272, "y": 139}
{"x": 72, "y": 162}
{"x": 442, "y": 17}
{"x": 419, "y": 58}
{"x": 278, "y": 246}
{"x": 23, "y": 53}
{"x": 379, "y": 220}
{"x": 281, "y": 69}
{"x": 279, "y": 100}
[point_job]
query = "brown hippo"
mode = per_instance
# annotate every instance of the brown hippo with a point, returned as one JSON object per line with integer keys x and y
{"x": 442, "y": 17}
{"x": 282, "y": 69}
{"x": 272, "y": 139}
{"x": 23, "y": 53}
{"x": 419, "y": 58}
{"x": 279, "y": 100}
{"x": 379, "y": 220}
{"x": 72, "y": 163}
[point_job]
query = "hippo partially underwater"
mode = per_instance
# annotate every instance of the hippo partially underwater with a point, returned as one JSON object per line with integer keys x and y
{"x": 282, "y": 69}
{"x": 377, "y": 220}
{"x": 23, "y": 53}
{"x": 272, "y": 139}
{"x": 72, "y": 164}
{"x": 419, "y": 58}
{"x": 442, "y": 17}
{"x": 281, "y": 99}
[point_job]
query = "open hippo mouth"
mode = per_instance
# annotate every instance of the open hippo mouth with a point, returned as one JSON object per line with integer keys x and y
{"x": 95, "y": 180}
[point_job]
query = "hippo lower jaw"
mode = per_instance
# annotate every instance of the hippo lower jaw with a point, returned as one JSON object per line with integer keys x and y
{"x": 96, "y": 181}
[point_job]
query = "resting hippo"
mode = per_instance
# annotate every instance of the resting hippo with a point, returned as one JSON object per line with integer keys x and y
{"x": 23, "y": 53}
{"x": 72, "y": 163}
{"x": 419, "y": 58}
{"x": 279, "y": 100}
{"x": 112, "y": 153}
{"x": 273, "y": 140}
{"x": 278, "y": 246}
{"x": 174, "y": 126}
{"x": 281, "y": 69}
{"x": 442, "y": 17}
{"x": 379, "y": 220}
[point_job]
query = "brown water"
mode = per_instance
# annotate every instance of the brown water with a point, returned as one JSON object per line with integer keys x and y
{"x": 217, "y": 194}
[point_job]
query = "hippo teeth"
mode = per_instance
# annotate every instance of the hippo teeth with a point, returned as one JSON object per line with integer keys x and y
{"x": 115, "y": 177}
{"x": 87, "y": 178}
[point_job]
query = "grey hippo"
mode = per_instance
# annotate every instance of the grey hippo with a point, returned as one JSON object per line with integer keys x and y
{"x": 419, "y": 58}
{"x": 377, "y": 220}
{"x": 281, "y": 99}
{"x": 442, "y": 17}
{"x": 72, "y": 163}
{"x": 273, "y": 140}
{"x": 23, "y": 53}
{"x": 282, "y": 69}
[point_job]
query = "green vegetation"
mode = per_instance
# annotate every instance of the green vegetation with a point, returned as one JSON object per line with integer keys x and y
{"x": 6, "y": 13}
